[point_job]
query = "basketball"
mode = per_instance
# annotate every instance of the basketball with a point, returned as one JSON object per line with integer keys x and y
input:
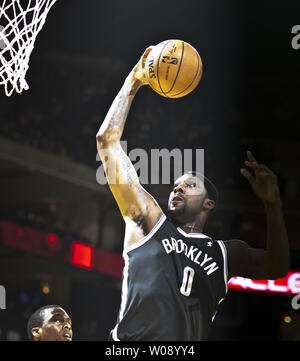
{"x": 173, "y": 68}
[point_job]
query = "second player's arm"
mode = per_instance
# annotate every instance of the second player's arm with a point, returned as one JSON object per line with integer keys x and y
{"x": 274, "y": 261}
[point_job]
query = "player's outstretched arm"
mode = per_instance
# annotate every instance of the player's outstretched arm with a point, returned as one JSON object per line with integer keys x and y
{"x": 136, "y": 204}
{"x": 112, "y": 128}
{"x": 274, "y": 261}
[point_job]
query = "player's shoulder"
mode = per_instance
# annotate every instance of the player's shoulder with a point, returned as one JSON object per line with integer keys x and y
{"x": 234, "y": 244}
{"x": 237, "y": 251}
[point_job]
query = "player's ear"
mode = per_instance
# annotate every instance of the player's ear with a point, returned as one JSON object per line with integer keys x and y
{"x": 36, "y": 333}
{"x": 209, "y": 204}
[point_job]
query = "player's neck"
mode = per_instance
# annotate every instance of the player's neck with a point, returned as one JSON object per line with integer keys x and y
{"x": 191, "y": 228}
{"x": 195, "y": 225}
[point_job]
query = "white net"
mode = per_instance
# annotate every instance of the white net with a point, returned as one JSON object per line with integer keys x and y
{"x": 20, "y": 23}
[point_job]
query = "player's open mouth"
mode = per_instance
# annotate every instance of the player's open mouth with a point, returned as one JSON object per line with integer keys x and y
{"x": 67, "y": 336}
{"x": 177, "y": 199}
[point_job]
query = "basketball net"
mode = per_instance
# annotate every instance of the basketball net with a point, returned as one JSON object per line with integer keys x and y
{"x": 20, "y": 23}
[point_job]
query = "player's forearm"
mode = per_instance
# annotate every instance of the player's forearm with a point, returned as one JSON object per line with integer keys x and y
{"x": 278, "y": 255}
{"x": 112, "y": 127}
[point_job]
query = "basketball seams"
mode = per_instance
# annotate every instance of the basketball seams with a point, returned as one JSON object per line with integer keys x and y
{"x": 179, "y": 67}
{"x": 195, "y": 77}
{"x": 158, "y": 81}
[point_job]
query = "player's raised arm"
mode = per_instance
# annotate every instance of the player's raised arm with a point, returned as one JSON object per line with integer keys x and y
{"x": 274, "y": 261}
{"x": 136, "y": 205}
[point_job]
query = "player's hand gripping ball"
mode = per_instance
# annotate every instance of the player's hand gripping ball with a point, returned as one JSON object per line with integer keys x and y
{"x": 173, "y": 68}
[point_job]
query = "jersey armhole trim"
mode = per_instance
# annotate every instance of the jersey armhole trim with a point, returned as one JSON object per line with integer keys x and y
{"x": 114, "y": 333}
{"x": 225, "y": 267}
{"x": 147, "y": 237}
{"x": 193, "y": 235}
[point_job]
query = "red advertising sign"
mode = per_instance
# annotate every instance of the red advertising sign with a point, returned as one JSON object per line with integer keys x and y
{"x": 289, "y": 284}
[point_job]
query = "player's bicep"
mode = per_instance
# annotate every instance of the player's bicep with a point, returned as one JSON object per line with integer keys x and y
{"x": 245, "y": 261}
{"x": 133, "y": 200}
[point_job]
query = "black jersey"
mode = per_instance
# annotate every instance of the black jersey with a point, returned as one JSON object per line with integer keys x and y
{"x": 172, "y": 284}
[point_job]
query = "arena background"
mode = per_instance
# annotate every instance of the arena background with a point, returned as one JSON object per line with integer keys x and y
{"x": 247, "y": 99}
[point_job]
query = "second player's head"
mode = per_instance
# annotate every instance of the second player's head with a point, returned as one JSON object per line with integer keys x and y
{"x": 50, "y": 323}
{"x": 193, "y": 196}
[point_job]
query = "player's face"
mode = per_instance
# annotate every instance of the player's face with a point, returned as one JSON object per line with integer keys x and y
{"x": 187, "y": 196}
{"x": 57, "y": 325}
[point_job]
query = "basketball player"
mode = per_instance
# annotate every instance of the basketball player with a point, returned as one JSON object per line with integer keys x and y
{"x": 49, "y": 323}
{"x": 175, "y": 276}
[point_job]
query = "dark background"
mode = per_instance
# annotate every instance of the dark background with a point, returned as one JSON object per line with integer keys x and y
{"x": 247, "y": 99}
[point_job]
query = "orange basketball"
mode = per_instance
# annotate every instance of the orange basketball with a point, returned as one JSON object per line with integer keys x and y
{"x": 173, "y": 68}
